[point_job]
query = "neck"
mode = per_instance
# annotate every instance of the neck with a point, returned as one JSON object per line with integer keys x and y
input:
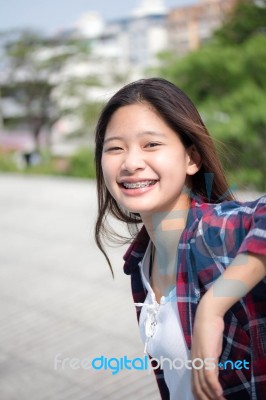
{"x": 165, "y": 229}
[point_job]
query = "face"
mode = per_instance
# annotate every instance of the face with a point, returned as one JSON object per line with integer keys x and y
{"x": 144, "y": 163}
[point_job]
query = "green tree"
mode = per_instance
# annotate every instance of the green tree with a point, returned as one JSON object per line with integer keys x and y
{"x": 32, "y": 70}
{"x": 212, "y": 71}
{"x": 248, "y": 18}
{"x": 227, "y": 80}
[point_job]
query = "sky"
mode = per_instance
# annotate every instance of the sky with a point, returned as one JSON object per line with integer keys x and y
{"x": 54, "y": 15}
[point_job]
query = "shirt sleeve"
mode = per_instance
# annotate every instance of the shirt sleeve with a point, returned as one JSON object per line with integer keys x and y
{"x": 223, "y": 232}
{"x": 233, "y": 228}
{"x": 254, "y": 219}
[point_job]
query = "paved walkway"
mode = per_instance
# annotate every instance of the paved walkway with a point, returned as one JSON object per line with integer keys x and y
{"x": 57, "y": 297}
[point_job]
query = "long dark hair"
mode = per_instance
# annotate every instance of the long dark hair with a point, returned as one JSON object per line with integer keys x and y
{"x": 180, "y": 114}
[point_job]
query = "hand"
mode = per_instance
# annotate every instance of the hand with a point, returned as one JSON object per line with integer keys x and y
{"x": 207, "y": 343}
{"x": 248, "y": 269}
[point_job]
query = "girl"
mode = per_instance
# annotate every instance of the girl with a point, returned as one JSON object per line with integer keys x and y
{"x": 197, "y": 262}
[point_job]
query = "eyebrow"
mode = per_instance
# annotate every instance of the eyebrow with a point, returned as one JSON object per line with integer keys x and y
{"x": 151, "y": 133}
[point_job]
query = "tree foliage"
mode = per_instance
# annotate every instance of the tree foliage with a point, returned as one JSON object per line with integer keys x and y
{"x": 248, "y": 18}
{"x": 32, "y": 69}
{"x": 227, "y": 80}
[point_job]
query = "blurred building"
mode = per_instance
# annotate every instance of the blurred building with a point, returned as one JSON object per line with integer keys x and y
{"x": 90, "y": 24}
{"x": 191, "y": 26}
{"x": 147, "y": 32}
{"x": 134, "y": 41}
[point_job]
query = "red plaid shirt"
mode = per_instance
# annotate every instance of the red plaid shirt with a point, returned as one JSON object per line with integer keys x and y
{"x": 213, "y": 236}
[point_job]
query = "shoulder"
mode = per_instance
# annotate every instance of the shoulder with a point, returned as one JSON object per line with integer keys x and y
{"x": 217, "y": 233}
{"x": 233, "y": 213}
{"x": 222, "y": 228}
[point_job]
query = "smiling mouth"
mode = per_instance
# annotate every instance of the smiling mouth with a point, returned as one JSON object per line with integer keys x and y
{"x": 137, "y": 185}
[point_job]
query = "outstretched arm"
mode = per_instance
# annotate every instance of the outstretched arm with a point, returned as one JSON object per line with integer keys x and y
{"x": 246, "y": 271}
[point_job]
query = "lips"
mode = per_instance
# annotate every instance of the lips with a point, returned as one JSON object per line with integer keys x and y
{"x": 137, "y": 185}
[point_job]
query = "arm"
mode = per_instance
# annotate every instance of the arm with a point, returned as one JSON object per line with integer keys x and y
{"x": 240, "y": 277}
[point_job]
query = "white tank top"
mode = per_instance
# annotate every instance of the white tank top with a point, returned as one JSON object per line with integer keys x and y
{"x": 162, "y": 336}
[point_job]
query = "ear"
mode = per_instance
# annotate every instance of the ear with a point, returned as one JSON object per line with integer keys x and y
{"x": 194, "y": 160}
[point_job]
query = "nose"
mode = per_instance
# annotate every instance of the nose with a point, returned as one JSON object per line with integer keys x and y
{"x": 133, "y": 161}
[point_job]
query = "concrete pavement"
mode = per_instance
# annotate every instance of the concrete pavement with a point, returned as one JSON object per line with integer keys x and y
{"x": 57, "y": 297}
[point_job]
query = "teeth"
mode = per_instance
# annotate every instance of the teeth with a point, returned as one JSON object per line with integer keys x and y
{"x": 136, "y": 185}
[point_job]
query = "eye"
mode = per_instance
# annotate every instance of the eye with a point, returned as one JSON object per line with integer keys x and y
{"x": 152, "y": 144}
{"x": 113, "y": 149}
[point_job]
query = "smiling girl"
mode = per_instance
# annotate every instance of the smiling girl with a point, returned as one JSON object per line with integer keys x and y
{"x": 197, "y": 261}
